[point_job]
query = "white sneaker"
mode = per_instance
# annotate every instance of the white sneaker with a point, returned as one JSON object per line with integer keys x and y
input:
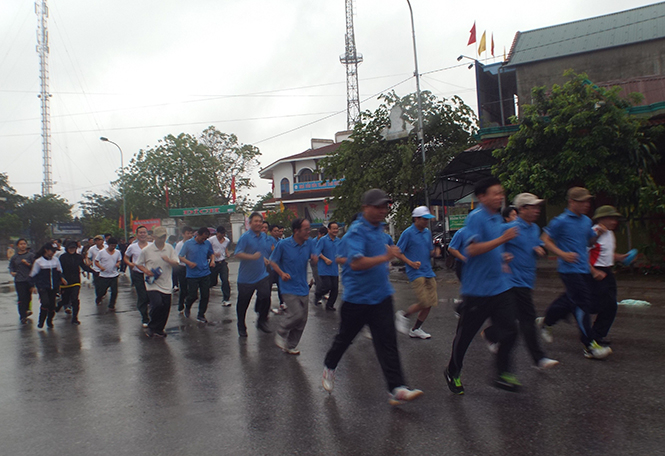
{"x": 226, "y": 304}
{"x": 493, "y": 347}
{"x": 403, "y": 394}
{"x": 545, "y": 331}
{"x": 280, "y": 341}
{"x": 292, "y": 351}
{"x": 419, "y": 334}
{"x": 401, "y": 322}
{"x": 546, "y": 363}
{"x": 597, "y": 351}
{"x": 328, "y": 379}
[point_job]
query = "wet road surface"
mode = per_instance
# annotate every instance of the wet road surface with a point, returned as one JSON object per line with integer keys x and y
{"x": 104, "y": 388}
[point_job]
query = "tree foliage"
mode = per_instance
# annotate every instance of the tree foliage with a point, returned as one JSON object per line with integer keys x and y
{"x": 369, "y": 161}
{"x": 102, "y": 214}
{"x": 194, "y": 171}
{"x": 579, "y": 134}
{"x": 38, "y": 212}
{"x": 10, "y": 222}
{"x": 282, "y": 218}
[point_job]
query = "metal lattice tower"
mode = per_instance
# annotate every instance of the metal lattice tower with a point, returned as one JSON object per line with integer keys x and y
{"x": 41, "y": 9}
{"x": 351, "y": 59}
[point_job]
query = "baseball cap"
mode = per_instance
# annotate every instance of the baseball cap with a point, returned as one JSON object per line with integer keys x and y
{"x": 159, "y": 231}
{"x": 579, "y": 194}
{"x": 606, "y": 211}
{"x": 526, "y": 199}
{"x": 99, "y": 237}
{"x": 422, "y": 211}
{"x": 375, "y": 197}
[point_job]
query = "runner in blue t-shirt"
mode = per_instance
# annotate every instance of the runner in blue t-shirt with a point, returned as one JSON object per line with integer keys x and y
{"x": 326, "y": 251}
{"x": 485, "y": 287}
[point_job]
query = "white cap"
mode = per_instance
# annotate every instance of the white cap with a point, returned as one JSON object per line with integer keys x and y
{"x": 422, "y": 211}
{"x": 526, "y": 199}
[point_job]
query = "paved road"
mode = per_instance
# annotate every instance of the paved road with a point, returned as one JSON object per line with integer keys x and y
{"x": 105, "y": 389}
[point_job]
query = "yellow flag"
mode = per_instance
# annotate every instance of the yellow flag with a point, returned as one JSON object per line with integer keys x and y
{"x": 281, "y": 206}
{"x": 482, "y": 47}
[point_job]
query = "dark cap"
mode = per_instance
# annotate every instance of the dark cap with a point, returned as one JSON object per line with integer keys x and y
{"x": 375, "y": 197}
{"x": 579, "y": 194}
{"x": 606, "y": 211}
{"x": 72, "y": 244}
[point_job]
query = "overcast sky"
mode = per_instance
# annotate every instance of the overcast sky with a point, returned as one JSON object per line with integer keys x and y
{"x": 268, "y": 71}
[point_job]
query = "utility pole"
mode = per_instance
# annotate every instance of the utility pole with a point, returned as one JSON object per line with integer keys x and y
{"x": 351, "y": 59}
{"x": 41, "y": 9}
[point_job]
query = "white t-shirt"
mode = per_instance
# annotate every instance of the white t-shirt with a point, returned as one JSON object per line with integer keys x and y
{"x": 109, "y": 262}
{"x": 92, "y": 256}
{"x": 133, "y": 252}
{"x": 178, "y": 248}
{"x": 602, "y": 252}
{"x": 219, "y": 248}
{"x": 151, "y": 258}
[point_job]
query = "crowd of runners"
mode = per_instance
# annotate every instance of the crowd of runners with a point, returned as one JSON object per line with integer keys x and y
{"x": 496, "y": 263}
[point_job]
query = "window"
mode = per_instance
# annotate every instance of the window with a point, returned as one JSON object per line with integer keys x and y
{"x": 306, "y": 175}
{"x": 284, "y": 187}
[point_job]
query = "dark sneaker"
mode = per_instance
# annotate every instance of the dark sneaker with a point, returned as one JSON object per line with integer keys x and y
{"x": 508, "y": 382}
{"x": 111, "y": 309}
{"x": 161, "y": 334}
{"x": 242, "y": 332}
{"x": 76, "y": 322}
{"x": 454, "y": 383}
{"x": 187, "y": 312}
{"x": 201, "y": 319}
{"x": 332, "y": 309}
{"x": 149, "y": 333}
{"x": 263, "y": 326}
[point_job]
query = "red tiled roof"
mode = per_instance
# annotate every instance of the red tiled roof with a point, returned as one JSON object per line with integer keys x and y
{"x": 652, "y": 87}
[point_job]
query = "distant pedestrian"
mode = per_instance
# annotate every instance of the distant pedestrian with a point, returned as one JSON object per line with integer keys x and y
{"x": 108, "y": 261}
{"x": 314, "y": 264}
{"x": 198, "y": 256}
{"x": 252, "y": 275}
{"x": 71, "y": 264}
{"x": 156, "y": 261}
{"x": 509, "y": 214}
{"x": 220, "y": 246}
{"x": 181, "y": 269}
{"x": 271, "y": 242}
{"x": 485, "y": 287}
{"x": 289, "y": 260}
{"x": 568, "y": 237}
{"x": 417, "y": 250}
{"x": 92, "y": 255}
{"x": 20, "y": 265}
{"x": 138, "y": 280}
{"x": 47, "y": 276}
{"x": 326, "y": 251}
{"x": 368, "y": 297}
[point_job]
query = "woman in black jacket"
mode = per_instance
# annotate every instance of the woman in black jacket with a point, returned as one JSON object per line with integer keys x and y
{"x": 47, "y": 276}
{"x": 71, "y": 264}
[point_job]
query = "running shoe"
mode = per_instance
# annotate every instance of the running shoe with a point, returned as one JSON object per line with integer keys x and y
{"x": 545, "y": 331}
{"x": 402, "y": 394}
{"x": 226, "y": 304}
{"x": 493, "y": 347}
{"x": 280, "y": 341}
{"x": 454, "y": 383}
{"x": 546, "y": 363}
{"x": 597, "y": 351}
{"x": 419, "y": 334}
{"x": 201, "y": 319}
{"x": 328, "y": 379}
{"x": 401, "y": 322}
{"x": 292, "y": 351}
{"x": 508, "y": 382}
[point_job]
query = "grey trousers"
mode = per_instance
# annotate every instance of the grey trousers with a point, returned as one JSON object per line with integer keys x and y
{"x": 294, "y": 319}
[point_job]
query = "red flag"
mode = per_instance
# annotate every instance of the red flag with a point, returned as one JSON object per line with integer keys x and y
{"x": 325, "y": 208}
{"x": 472, "y": 38}
{"x": 166, "y": 191}
{"x": 121, "y": 222}
{"x": 233, "y": 189}
{"x": 492, "y": 44}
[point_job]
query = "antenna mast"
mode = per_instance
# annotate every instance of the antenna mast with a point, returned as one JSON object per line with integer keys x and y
{"x": 41, "y": 9}
{"x": 351, "y": 59}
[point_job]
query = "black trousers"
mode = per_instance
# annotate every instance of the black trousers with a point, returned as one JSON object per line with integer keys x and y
{"x": 526, "y": 317}
{"x": 142, "y": 300}
{"x": 262, "y": 305}
{"x": 102, "y": 284}
{"x": 576, "y": 300}
{"x": 47, "y": 297}
{"x": 24, "y": 297}
{"x": 182, "y": 280}
{"x": 70, "y": 297}
{"x": 221, "y": 271}
{"x": 193, "y": 287}
{"x": 380, "y": 319}
{"x": 274, "y": 278}
{"x": 474, "y": 312}
{"x": 604, "y": 303}
{"x": 328, "y": 284}
{"x": 160, "y": 307}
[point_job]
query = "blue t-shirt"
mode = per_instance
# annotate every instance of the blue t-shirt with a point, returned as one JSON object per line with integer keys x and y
{"x": 483, "y": 274}
{"x": 572, "y": 233}
{"x": 199, "y": 254}
{"x": 523, "y": 264}
{"x": 327, "y": 247}
{"x": 293, "y": 258}
{"x": 269, "y": 242}
{"x": 417, "y": 245}
{"x": 251, "y": 271}
{"x": 457, "y": 242}
{"x": 369, "y": 286}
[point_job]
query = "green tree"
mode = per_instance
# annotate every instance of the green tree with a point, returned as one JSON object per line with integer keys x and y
{"x": 580, "y": 134}
{"x": 369, "y": 161}
{"x": 259, "y": 206}
{"x": 101, "y": 214}
{"x": 40, "y": 212}
{"x": 10, "y": 222}
{"x": 194, "y": 171}
{"x": 282, "y": 218}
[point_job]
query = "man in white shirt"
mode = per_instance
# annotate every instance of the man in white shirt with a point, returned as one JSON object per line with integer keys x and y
{"x": 108, "y": 262}
{"x": 220, "y": 244}
{"x": 131, "y": 256}
{"x": 156, "y": 257}
{"x": 92, "y": 254}
{"x": 187, "y": 234}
